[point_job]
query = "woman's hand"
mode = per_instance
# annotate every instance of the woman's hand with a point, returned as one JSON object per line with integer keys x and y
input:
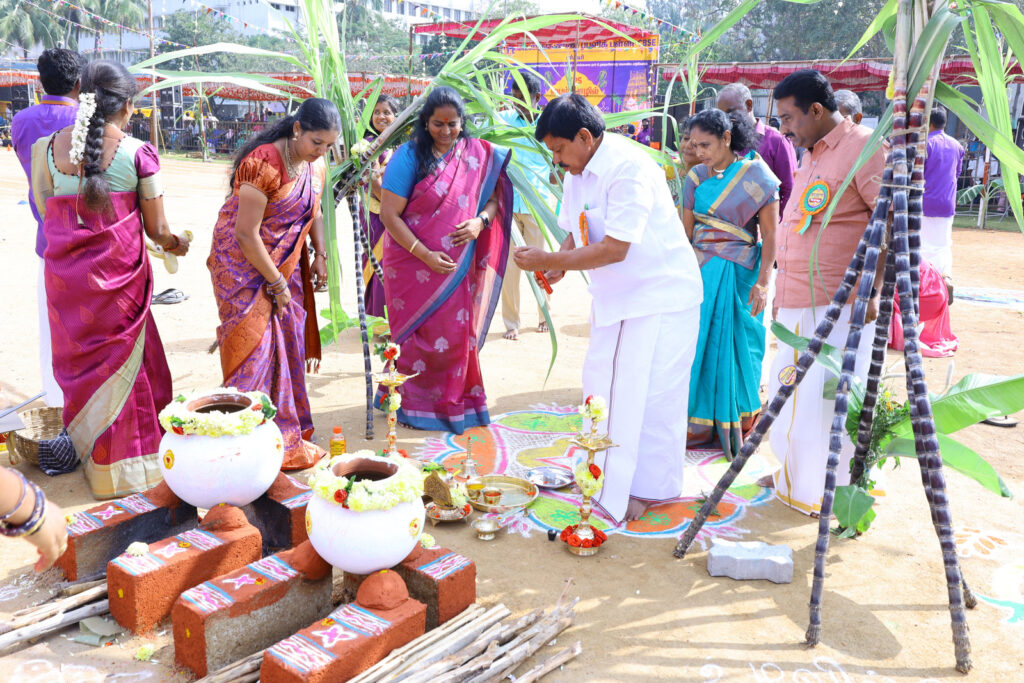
{"x": 440, "y": 262}
{"x": 52, "y": 538}
{"x": 319, "y": 272}
{"x": 283, "y": 299}
{"x": 758, "y": 298}
{"x": 180, "y": 243}
{"x": 467, "y": 231}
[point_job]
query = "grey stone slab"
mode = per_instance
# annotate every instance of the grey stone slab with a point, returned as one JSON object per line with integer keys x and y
{"x": 751, "y": 560}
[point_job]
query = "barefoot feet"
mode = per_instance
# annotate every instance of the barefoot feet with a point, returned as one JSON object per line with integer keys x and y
{"x": 542, "y": 326}
{"x": 766, "y": 482}
{"x": 511, "y": 335}
{"x": 636, "y": 509}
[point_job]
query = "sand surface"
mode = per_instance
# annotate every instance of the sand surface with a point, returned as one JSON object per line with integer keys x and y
{"x": 643, "y": 615}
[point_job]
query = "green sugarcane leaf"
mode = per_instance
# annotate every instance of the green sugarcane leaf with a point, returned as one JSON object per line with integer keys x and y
{"x": 929, "y": 48}
{"x": 958, "y": 457}
{"x": 977, "y": 397}
{"x": 885, "y": 14}
{"x": 852, "y": 508}
{"x": 229, "y": 48}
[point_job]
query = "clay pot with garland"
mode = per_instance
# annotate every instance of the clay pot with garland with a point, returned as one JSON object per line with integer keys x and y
{"x": 366, "y": 513}
{"x": 220, "y": 446}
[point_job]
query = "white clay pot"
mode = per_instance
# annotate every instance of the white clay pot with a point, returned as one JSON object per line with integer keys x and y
{"x": 367, "y": 541}
{"x": 205, "y": 471}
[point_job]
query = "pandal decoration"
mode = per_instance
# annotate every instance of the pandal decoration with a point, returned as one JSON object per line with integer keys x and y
{"x": 584, "y": 539}
{"x": 362, "y": 495}
{"x": 177, "y": 418}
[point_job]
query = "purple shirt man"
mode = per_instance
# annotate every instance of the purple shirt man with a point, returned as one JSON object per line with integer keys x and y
{"x": 775, "y": 149}
{"x": 942, "y": 167}
{"x": 51, "y": 114}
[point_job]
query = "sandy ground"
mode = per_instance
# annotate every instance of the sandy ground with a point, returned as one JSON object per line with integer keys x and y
{"x": 643, "y": 615}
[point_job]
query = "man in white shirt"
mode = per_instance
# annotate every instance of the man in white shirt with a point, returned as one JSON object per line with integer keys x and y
{"x": 646, "y": 289}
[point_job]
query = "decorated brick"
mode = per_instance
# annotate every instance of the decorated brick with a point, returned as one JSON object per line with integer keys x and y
{"x": 101, "y": 533}
{"x": 350, "y": 639}
{"x": 142, "y": 588}
{"x": 236, "y": 614}
{"x": 280, "y": 514}
{"x": 443, "y": 580}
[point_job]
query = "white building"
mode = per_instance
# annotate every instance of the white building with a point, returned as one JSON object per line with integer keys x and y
{"x": 409, "y": 12}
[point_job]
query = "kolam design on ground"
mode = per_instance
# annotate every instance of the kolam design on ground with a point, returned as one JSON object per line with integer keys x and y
{"x": 518, "y": 441}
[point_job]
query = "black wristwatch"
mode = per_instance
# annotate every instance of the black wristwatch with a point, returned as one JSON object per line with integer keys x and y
{"x": 485, "y": 218}
{"x": 874, "y": 292}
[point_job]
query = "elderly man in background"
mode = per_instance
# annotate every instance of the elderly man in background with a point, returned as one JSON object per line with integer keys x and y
{"x": 59, "y": 73}
{"x": 775, "y": 149}
{"x": 849, "y": 105}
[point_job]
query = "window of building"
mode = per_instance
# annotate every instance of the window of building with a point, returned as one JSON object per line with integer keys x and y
{"x": 447, "y": 13}
{"x": 388, "y": 6}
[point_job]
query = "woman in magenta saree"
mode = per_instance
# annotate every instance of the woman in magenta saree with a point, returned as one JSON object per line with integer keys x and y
{"x": 263, "y": 280}
{"x": 107, "y": 354}
{"x": 448, "y": 219}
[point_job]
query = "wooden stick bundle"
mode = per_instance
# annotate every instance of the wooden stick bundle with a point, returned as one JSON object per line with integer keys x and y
{"x": 242, "y": 671}
{"x": 54, "y": 623}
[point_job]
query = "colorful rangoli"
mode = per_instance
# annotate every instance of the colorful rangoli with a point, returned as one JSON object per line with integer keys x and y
{"x": 517, "y": 441}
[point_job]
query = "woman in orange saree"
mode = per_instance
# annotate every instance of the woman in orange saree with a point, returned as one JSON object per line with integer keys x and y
{"x": 262, "y": 276}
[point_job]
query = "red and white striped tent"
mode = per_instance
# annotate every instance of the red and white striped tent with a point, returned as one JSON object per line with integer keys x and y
{"x": 858, "y": 75}
{"x": 589, "y": 29}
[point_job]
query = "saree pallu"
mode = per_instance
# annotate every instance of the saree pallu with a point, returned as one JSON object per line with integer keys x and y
{"x": 724, "y": 380}
{"x": 441, "y": 321}
{"x": 936, "y": 336}
{"x": 373, "y": 228}
{"x": 107, "y": 354}
{"x": 262, "y": 347}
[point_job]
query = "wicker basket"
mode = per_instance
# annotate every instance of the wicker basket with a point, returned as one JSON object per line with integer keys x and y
{"x": 41, "y": 424}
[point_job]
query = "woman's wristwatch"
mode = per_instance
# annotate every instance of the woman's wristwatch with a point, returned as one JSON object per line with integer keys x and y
{"x": 321, "y": 254}
{"x": 485, "y": 218}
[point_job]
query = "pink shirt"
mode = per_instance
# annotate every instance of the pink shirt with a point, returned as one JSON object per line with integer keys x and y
{"x": 830, "y": 161}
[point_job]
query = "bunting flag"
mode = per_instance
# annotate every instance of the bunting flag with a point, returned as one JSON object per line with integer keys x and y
{"x": 651, "y": 19}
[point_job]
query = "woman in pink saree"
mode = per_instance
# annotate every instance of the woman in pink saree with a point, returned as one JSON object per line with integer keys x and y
{"x": 447, "y": 207}
{"x": 96, "y": 204}
{"x": 262, "y": 276}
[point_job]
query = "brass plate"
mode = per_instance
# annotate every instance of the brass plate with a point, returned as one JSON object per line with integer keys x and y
{"x": 515, "y": 493}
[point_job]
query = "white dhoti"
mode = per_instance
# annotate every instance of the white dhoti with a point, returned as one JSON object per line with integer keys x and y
{"x": 937, "y": 242}
{"x": 54, "y": 394}
{"x": 800, "y": 435}
{"x": 642, "y": 367}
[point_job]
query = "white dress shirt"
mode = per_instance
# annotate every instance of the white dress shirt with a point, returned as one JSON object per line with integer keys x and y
{"x": 625, "y": 196}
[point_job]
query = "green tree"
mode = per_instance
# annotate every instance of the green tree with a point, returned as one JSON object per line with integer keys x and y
{"x": 373, "y": 43}
{"x": 27, "y": 27}
{"x": 199, "y": 28}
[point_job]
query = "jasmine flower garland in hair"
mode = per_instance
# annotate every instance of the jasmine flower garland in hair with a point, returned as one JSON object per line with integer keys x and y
{"x": 86, "y": 108}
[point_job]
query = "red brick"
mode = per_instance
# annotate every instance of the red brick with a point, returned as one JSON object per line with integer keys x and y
{"x": 441, "y": 579}
{"x": 232, "y": 616}
{"x": 350, "y": 640}
{"x": 143, "y": 589}
{"x": 280, "y": 514}
{"x": 101, "y": 533}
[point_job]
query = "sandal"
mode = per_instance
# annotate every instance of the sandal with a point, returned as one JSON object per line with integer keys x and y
{"x": 169, "y": 296}
{"x": 1004, "y": 421}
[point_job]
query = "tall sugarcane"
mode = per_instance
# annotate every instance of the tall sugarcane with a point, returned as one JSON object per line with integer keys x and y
{"x": 354, "y": 206}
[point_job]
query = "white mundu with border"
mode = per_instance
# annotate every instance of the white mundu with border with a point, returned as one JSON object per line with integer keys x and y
{"x": 645, "y": 317}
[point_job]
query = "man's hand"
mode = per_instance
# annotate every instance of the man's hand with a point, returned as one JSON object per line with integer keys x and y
{"x": 532, "y": 258}
{"x": 554, "y": 276}
{"x": 873, "y": 305}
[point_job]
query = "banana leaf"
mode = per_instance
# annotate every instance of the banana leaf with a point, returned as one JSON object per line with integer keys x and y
{"x": 958, "y": 457}
{"x": 974, "y": 398}
{"x": 852, "y": 508}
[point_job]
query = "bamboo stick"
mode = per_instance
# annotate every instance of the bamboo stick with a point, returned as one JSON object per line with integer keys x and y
{"x": 550, "y": 664}
{"x": 33, "y": 615}
{"x": 508, "y": 663}
{"x": 236, "y": 671}
{"x": 80, "y": 587}
{"x": 54, "y": 623}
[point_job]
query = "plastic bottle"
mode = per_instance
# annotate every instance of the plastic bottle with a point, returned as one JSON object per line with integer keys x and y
{"x": 337, "y": 446}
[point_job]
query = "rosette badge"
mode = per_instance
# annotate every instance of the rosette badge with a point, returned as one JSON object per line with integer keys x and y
{"x": 220, "y": 446}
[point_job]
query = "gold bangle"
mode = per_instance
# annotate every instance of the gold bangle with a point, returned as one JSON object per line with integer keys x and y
{"x": 761, "y": 287}
{"x": 412, "y": 249}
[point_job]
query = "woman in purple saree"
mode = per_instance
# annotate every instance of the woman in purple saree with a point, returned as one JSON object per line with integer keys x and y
{"x": 262, "y": 278}
{"x": 447, "y": 207}
{"x": 96, "y": 203}
{"x": 383, "y": 116}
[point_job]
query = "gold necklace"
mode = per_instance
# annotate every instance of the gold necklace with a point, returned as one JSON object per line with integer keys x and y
{"x": 293, "y": 172}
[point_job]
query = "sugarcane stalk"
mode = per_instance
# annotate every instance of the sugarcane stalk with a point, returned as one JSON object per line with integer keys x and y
{"x": 354, "y": 207}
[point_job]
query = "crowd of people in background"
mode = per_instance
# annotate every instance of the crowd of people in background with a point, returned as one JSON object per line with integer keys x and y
{"x": 681, "y": 294}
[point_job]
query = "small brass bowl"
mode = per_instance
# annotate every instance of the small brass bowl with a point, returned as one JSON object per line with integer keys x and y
{"x": 486, "y": 528}
{"x": 491, "y": 495}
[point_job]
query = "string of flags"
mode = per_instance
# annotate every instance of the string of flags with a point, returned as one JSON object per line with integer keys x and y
{"x": 653, "y": 20}
{"x": 101, "y": 19}
{"x": 276, "y": 33}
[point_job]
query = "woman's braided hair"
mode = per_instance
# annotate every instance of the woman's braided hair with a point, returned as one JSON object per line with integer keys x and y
{"x": 113, "y": 86}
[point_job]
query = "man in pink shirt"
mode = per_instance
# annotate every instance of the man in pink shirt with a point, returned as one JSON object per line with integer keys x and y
{"x": 807, "y": 281}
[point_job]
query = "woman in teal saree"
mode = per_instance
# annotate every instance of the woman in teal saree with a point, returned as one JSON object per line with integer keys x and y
{"x": 728, "y": 199}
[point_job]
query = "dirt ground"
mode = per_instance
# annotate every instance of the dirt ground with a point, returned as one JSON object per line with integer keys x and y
{"x": 643, "y": 615}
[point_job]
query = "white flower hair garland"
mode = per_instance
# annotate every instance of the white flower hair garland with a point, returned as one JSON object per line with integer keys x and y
{"x": 86, "y": 108}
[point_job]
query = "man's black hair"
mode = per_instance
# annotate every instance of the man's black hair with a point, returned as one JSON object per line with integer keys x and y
{"x": 806, "y": 87}
{"x": 566, "y": 115}
{"x": 59, "y": 70}
{"x": 530, "y": 80}
{"x": 938, "y": 117}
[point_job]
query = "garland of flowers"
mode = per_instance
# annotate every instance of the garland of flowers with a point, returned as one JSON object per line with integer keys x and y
{"x": 86, "y": 108}
{"x": 590, "y": 479}
{"x": 391, "y": 402}
{"x": 570, "y": 536}
{"x": 177, "y": 418}
{"x": 363, "y": 495}
{"x": 594, "y": 408}
{"x": 387, "y": 352}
